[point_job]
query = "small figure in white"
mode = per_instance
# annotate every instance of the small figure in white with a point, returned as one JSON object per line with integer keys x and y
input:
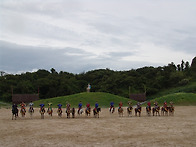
{"x": 88, "y": 88}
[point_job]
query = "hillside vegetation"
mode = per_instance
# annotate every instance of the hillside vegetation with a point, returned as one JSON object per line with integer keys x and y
{"x": 102, "y": 98}
{"x": 181, "y": 99}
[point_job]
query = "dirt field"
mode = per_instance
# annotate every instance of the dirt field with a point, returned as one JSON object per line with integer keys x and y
{"x": 108, "y": 130}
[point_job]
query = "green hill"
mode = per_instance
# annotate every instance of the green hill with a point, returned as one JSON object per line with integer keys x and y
{"x": 181, "y": 99}
{"x": 102, "y": 98}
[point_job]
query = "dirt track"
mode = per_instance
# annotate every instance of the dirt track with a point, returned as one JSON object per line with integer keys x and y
{"x": 108, "y": 130}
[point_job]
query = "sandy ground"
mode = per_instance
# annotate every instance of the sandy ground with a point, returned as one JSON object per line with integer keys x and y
{"x": 108, "y": 130}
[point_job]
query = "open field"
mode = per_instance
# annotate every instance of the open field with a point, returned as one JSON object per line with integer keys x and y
{"x": 108, "y": 130}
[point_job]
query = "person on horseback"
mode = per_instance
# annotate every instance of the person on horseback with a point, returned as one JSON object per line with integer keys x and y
{"x": 42, "y": 107}
{"x": 23, "y": 105}
{"x": 31, "y": 107}
{"x": 120, "y": 105}
{"x": 138, "y": 105}
{"x": 79, "y": 106}
{"x": 165, "y": 105}
{"x": 15, "y": 109}
{"x": 149, "y": 105}
{"x": 68, "y": 107}
{"x": 156, "y": 104}
{"x": 96, "y": 106}
{"x": 88, "y": 106}
{"x": 111, "y": 105}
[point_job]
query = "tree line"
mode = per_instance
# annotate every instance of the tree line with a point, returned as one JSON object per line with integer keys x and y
{"x": 52, "y": 84}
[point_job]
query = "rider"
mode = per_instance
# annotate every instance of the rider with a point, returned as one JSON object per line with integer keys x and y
{"x": 41, "y": 107}
{"x": 111, "y": 105}
{"x": 15, "y": 107}
{"x": 149, "y": 105}
{"x": 165, "y": 105}
{"x": 79, "y": 106}
{"x": 120, "y": 105}
{"x": 31, "y": 106}
{"x": 156, "y": 104}
{"x": 59, "y": 106}
{"x": 68, "y": 106}
{"x": 138, "y": 105}
{"x": 96, "y": 106}
{"x": 88, "y": 106}
{"x": 23, "y": 106}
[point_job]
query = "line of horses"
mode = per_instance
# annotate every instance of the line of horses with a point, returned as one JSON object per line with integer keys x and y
{"x": 155, "y": 111}
{"x": 68, "y": 112}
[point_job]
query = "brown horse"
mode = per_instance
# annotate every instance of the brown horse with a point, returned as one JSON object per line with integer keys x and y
{"x": 129, "y": 111}
{"x": 50, "y": 111}
{"x": 171, "y": 110}
{"x": 73, "y": 112}
{"x": 68, "y": 111}
{"x": 120, "y": 111}
{"x": 148, "y": 110}
{"x": 138, "y": 110}
{"x": 156, "y": 110}
{"x": 96, "y": 112}
{"x": 88, "y": 111}
{"x": 59, "y": 111}
{"x": 42, "y": 111}
{"x": 23, "y": 111}
{"x": 164, "y": 111}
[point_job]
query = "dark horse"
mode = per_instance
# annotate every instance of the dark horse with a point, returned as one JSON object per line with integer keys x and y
{"x": 138, "y": 110}
{"x": 156, "y": 109}
{"x": 129, "y": 111}
{"x": 59, "y": 111}
{"x": 14, "y": 111}
{"x": 42, "y": 111}
{"x": 120, "y": 111}
{"x": 73, "y": 111}
{"x": 148, "y": 110}
{"x": 96, "y": 112}
{"x": 164, "y": 111}
{"x": 112, "y": 109}
{"x": 88, "y": 111}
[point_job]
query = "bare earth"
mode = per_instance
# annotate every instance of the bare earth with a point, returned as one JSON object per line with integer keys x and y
{"x": 108, "y": 130}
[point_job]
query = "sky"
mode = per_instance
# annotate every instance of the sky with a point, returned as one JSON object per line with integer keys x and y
{"x": 81, "y": 35}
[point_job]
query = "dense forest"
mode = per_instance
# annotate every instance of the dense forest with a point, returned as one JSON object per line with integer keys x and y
{"x": 51, "y": 83}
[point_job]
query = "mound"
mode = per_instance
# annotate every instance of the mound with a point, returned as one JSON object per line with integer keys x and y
{"x": 102, "y": 98}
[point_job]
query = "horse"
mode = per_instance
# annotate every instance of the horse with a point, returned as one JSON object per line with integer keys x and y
{"x": 50, "y": 111}
{"x": 120, "y": 111}
{"x": 138, "y": 110}
{"x": 156, "y": 109}
{"x": 14, "y": 112}
{"x": 31, "y": 111}
{"x": 171, "y": 110}
{"x": 73, "y": 112}
{"x": 80, "y": 111}
{"x": 23, "y": 111}
{"x": 42, "y": 111}
{"x": 96, "y": 112}
{"x": 164, "y": 111}
{"x": 68, "y": 111}
{"x": 112, "y": 110}
{"x": 59, "y": 111}
{"x": 88, "y": 111}
{"x": 148, "y": 110}
{"x": 129, "y": 111}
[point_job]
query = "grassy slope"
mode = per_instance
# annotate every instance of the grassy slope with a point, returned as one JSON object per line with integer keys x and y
{"x": 102, "y": 98}
{"x": 184, "y": 99}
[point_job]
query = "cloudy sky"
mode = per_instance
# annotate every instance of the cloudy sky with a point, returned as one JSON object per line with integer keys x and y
{"x": 82, "y": 35}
